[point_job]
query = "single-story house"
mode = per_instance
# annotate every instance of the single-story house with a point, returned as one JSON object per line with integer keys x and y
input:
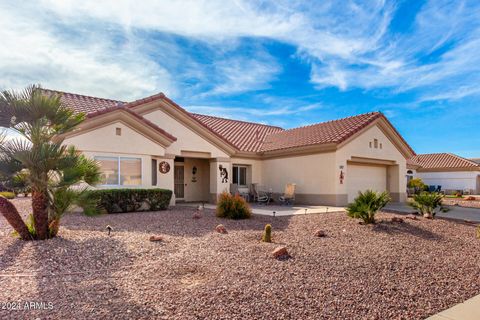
{"x": 449, "y": 171}
{"x": 153, "y": 142}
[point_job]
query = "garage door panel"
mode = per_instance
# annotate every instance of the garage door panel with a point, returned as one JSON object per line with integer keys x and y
{"x": 364, "y": 177}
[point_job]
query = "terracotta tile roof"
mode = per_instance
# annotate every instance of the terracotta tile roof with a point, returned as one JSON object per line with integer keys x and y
{"x": 334, "y": 131}
{"x": 245, "y": 136}
{"x": 442, "y": 161}
{"x": 82, "y": 103}
{"x": 136, "y": 115}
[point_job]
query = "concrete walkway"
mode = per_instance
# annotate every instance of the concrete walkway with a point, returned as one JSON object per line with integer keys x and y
{"x": 456, "y": 212}
{"x": 278, "y": 211}
{"x": 468, "y": 310}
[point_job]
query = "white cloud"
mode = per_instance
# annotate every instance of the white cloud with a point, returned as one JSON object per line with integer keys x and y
{"x": 31, "y": 53}
{"x": 348, "y": 44}
{"x": 239, "y": 75}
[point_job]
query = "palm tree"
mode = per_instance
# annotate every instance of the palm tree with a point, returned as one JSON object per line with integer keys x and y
{"x": 52, "y": 168}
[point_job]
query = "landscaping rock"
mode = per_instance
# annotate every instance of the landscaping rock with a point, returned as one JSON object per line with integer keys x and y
{"x": 397, "y": 219}
{"x": 156, "y": 238}
{"x": 320, "y": 233}
{"x": 280, "y": 253}
{"x": 221, "y": 229}
{"x": 411, "y": 217}
{"x": 196, "y": 215}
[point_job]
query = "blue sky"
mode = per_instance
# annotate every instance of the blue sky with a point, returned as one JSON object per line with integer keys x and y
{"x": 286, "y": 63}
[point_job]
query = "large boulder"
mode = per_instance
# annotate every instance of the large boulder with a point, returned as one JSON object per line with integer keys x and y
{"x": 156, "y": 238}
{"x": 280, "y": 253}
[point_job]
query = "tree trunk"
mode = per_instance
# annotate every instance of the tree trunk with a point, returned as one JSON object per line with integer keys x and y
{"x": 40, "y": 214}
{"x": 13, "y": 217}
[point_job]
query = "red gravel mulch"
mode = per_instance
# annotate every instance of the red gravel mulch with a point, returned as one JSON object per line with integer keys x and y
{"x": 407, "y": 270}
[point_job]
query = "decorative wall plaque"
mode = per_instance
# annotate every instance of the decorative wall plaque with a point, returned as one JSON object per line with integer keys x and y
{"x": 164, "y": 167}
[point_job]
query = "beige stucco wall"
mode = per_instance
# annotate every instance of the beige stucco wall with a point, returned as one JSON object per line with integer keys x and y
{"x": 104, "y": 139}
{"x": 452, "y": 180}
{"x": 187, "y": 139}
{"x": 313, "y": 175}
{"x": 165, "y": 180}
{"x": 217, "y": 185}
{"x": 359, "y": 147}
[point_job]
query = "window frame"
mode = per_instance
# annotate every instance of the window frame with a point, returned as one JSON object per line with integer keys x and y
{"x": 238, "y": 167}
{"x": 119, "y": 166}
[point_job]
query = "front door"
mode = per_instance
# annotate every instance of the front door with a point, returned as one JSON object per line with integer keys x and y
{"x": 179, "y": 181}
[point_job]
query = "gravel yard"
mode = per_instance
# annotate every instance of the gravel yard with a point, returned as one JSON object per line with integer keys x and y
{"x": 389, "y": 270}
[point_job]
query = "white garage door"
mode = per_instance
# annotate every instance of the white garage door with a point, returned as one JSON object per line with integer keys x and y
{"x": 364, "y": 177}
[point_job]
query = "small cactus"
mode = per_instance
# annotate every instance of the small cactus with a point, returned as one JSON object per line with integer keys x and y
{"x": 267, "y": 234}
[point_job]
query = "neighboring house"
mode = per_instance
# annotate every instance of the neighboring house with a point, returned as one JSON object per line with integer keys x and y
{"x": 155, "y": 142}
{"x": 451, "y": 172}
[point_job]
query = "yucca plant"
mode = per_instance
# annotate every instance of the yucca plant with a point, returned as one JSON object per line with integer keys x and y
{"x": 426, "y": 203}
{"x": 50, "y": 167}
{"x": 367, "y": 204}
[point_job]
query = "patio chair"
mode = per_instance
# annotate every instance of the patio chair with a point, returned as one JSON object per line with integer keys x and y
{"x": 289, "y": 194}
{"x": 253, "y": 191}
{"x": 431, "y": 188}
{"x": 263, "y": 197}
{"x": 244, "y": 193}
{"x": 439, "y": 189}
{"x": 233, "y": 189}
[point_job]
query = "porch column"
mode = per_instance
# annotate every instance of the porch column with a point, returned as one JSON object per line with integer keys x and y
{"x": 397, "y": 183}
{"x": 165, "y": 179}
{"x": 220, "y": 177}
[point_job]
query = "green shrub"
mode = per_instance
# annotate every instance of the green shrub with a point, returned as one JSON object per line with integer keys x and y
{"x": 232, "y": 207}
{"x": 426, "y": 203}
{"x": 7, "y": 194}
{"x": 367, "y": 204}
{"x": 267, "y": 234}
{"x": 128, "y": 200}
{"x": 417, "y": 184}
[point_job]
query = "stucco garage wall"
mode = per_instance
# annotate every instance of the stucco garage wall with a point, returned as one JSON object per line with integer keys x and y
{"x": 455, "y": 180}
{"x": 313, "y": 174}
{"x": 187, "y": 139}
{"x": 360, "y": 147}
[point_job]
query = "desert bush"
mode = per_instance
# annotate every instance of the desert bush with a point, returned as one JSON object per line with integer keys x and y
{"x": 417, "y": 184}
{"x": 7, "y": 194}
{"x": 127, "y": 200}
{"x": 232, "y": 207}
{"x": 367, "y": 204}
{"x": 470, "y": 198}
{"x": 426, "y": 203}
{"x": 267, "y": 233}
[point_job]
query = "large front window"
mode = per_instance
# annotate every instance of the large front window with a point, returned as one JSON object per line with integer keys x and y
{"x": 240, "y": 175}
{"x": 121, "y": 171}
